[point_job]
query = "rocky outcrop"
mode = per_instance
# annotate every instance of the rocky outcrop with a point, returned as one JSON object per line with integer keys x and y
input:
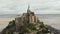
{"x": 28, "y": 23}
{"x": 53, "y": 30}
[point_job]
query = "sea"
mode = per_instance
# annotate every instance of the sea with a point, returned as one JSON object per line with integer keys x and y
{"x": 52, "y": 20}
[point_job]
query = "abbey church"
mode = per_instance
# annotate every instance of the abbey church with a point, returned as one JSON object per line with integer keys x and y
{"x": 28, "y": 23}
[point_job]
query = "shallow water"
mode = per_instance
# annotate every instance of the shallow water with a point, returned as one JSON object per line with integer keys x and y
{"x": 52, "y": 20}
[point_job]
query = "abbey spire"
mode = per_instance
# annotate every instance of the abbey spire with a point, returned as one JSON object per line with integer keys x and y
{"x": 28, "y": 7}
{"x": 28, "y": 10}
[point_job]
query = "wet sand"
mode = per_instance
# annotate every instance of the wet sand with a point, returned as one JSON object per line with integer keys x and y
{"x": 4, "y": 22}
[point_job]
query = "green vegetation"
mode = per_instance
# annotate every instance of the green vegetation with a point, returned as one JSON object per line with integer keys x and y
{"x": 28, "y": 28}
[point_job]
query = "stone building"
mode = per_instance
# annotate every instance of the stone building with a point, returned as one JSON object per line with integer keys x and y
{"x": 19, "y": 22}
{"x": 28, "y": 17}
{"x": 28, "y": 23}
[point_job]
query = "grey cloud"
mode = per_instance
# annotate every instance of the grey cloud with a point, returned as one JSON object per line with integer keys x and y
{"x": 15, "y": 6}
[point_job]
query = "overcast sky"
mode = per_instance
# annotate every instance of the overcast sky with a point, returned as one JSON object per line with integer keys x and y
{"x": 37, "y": 6}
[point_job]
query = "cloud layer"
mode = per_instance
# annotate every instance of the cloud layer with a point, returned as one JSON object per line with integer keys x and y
{"x": 38, "y": 6}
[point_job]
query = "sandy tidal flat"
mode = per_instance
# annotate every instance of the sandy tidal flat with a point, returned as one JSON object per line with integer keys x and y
{"x": 4, "y": 22}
